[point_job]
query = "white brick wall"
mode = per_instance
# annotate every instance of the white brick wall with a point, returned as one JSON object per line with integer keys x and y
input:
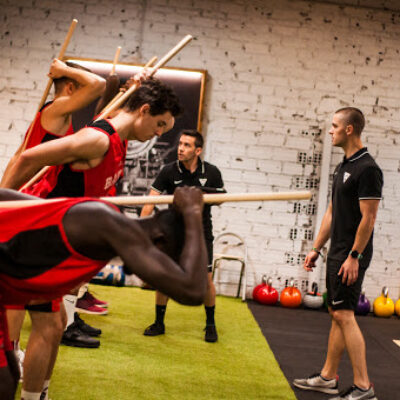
{"x": 277, "y": 70}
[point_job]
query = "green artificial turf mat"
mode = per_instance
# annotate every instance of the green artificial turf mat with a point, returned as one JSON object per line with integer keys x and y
{"x": 178, "y": 365}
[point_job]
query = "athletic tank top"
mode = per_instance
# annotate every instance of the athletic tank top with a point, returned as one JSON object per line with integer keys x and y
{"x": 36, "y": 258}
{"x": 39, "y": 134}
{"x": 63, "y": 180}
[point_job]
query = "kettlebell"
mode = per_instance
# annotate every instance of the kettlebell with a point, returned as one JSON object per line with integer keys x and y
{"x": 397, "y": 308}
{"x": 363, "y": 305}
{"x": 290, "y": 296}
{"x": 256, "y": 289}
{"x": 383, "y": 305}
{"x": 313, "y": 299}
{"x": 267, "y": 294}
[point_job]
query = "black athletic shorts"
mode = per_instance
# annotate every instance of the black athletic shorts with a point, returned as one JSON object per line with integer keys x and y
{"x": 341, "y": 296}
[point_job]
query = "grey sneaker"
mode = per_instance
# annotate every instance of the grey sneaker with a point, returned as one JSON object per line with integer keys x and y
{"x": 354, "y": 393}
{"x": 317, "y": 383}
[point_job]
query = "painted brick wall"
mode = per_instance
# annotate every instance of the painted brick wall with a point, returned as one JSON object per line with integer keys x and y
{"x": 277, "y": 72}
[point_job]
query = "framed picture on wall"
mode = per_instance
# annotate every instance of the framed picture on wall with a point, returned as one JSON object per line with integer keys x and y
{"x": 144, "y": 160}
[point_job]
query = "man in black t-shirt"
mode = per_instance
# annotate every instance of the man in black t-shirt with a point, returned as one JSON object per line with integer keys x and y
{"x": 349, "y": 223}
{"x": 189, "y": 170}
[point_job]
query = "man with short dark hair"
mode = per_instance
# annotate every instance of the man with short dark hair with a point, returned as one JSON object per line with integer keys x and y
{"x": 75, "y": 87}
{"x": 65, "y": 242}
{"x": 189, "y": 170}
{"x": 349, "y": 223}
{"x": 90, "y": 162}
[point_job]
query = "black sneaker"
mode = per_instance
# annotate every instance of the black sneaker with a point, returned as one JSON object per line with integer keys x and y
{"x": 85, "y": 328}
{"x": 211, "y": 335}
{"x": 154, "y": 329}
{"x": 74, "y": 337}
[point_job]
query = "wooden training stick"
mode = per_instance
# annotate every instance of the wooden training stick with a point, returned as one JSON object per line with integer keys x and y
{"x": 168, "y": 199}
{"x": 34, "y": 178}
{"x": 161, "y": 63}
{"x": 115, "y": 62}
{"x": 50, "y": 82}
{"x": 119, "y": 94}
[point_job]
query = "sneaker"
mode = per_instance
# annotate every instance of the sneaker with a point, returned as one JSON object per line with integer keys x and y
{"x": 211, "y": 334}
{"x": 317, "y": 383}
{"x": 45, "y": 394}
{"x": 355, "y": 393}
{"x": 74, "y": 337}
{"x": 154, "y": 329}
{"x": 96, "y": 302}
{"x": 86, "y": 306}
{"x": 85, "y": 328}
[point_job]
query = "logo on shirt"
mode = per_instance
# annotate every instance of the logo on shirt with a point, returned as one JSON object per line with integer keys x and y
{"x": 112, "y": 180}
{"x": 178, "y": 182}
{"x": 346, "y": 176}
{"x": 335, "y": 303}
{"x": 202, "y": 181}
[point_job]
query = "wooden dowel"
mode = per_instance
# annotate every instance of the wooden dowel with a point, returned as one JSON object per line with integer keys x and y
{"x": 115, "y": 62}
{"x": 50, "y": 81}
{"x": 167, "y": 199}
{"x": 34, "y": 179}
{"x": 162, "y": 62}
{"x": 210, "y": 198}
{"x": 119, "y": 94}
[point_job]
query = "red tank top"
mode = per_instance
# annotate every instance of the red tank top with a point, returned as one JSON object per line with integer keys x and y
{"x": 60, "y": 181}
{"x": 39, "y": 134}
{"x": 36, "y": 258}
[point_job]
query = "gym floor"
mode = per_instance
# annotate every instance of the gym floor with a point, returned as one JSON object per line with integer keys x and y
{"x": 298, "y": 339}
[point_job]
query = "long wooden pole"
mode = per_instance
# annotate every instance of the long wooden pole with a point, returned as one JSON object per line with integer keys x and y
{"x": 115, "y": 62}
{"x": 161, "y": 63}
{"x": 34, "y": 178}
{"x": 50, "y": 81}
{"x": 168, "y": 199}
{"x": 119, "y": 94}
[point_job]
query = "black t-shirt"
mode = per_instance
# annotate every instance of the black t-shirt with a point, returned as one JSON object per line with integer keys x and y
{"x": 207, "y": 177}
{"x": 354, "y": 179}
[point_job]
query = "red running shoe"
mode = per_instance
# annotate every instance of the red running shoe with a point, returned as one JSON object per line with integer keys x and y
{"x": 87, "y": 307}
{"x": 96, "y": 302}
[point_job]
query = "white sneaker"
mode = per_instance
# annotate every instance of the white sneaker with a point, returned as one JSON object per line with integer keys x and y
{"x": 317, "y": 383}
{"x": 354, "y": 393}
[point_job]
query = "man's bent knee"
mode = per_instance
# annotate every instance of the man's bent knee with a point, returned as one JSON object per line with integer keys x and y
{"x": 342, "y": 316}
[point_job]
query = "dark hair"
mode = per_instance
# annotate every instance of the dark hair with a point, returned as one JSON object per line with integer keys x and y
{"x": 172, "y": 226}
{"x": 60, "y": 82}
{"x": 199, "y": 140}
{"x": 354, "y": 117}
{"x": 160, "y": 97}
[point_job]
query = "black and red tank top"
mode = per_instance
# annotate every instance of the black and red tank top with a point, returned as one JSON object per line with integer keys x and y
{"x": 36, "y": 258}
{"x": 64, "y": 180}
{"x": 39, "y": 134}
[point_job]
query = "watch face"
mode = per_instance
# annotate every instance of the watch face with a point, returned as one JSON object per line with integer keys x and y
{"x": 354, "y": 254}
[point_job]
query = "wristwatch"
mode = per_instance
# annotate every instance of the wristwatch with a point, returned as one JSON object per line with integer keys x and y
{"x": 355, "y": 254}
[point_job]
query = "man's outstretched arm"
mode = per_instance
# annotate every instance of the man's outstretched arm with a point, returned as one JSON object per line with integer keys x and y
{"x": 9, "y": 194}
{"x": 86, "y": 144}
{"x": 186, "y": 281}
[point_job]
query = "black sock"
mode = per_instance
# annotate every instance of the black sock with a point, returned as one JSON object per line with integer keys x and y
{"x": 210, "y": 315}
{"x": 160, "y": 314}
{"x": 363, "y": 390}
